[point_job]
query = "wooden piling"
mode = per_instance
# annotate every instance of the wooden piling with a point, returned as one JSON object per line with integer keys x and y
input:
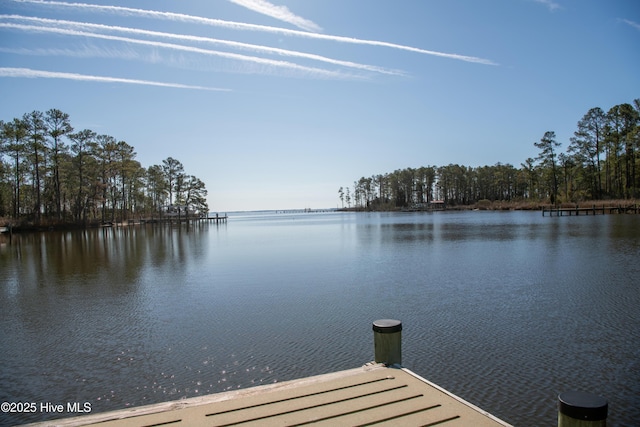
{"x": 387, "y": 341}
{"x": 580, "y": 409}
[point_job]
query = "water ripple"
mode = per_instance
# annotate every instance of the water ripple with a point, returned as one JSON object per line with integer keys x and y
{"x": 506, "y": 310}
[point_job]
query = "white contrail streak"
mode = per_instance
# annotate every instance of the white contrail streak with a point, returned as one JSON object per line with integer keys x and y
{"x": 632, "y": 23}
{"x": 228, "y": 55}
{"x": 29, "y": 73}
{"x": 252, "y": 27}
{"x": 198, "y": 39}
{"x": 281, "y": 13}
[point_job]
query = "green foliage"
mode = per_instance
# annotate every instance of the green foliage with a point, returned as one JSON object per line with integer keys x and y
{"x": 602, "y": 161}
{"x": 50, "y": 173}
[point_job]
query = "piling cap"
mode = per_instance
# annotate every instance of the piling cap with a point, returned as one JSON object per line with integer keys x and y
{"x": 583, "y": 406}
{"x": 387, "y": 326}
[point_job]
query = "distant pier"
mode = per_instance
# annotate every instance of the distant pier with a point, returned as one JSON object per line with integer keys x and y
{"x": 594, "y": 210}
{"x": 306, "y": 210}
{"x": 217, "y": 218}
{"x": 168, "y": 219}
{"x": 182, "y": 213}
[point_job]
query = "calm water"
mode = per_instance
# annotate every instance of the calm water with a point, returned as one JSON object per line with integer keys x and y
{"x": 504, "y": 309}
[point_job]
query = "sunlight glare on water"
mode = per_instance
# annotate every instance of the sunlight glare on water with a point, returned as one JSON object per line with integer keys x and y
{"x": 505, "y": 309}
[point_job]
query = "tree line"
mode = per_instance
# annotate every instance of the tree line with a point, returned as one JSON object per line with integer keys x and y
{"x": 50, "y": 173}
{"x": 602, "y": 161}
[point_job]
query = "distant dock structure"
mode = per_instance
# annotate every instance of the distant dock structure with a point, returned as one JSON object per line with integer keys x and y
{"x": 305, "y": 210}
{"x": 217, "y": 218}
{"x": 180, "y": 213}
{"x": 593, "y": 210}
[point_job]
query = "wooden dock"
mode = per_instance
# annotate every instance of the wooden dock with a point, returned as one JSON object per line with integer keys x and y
{"x": 370, "y": 395}
{"x": 378, "y": 393}
{"x": 558, "y": 211}
{"x": 217, "y": 218}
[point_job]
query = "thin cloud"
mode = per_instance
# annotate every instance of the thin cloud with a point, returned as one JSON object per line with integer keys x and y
{"x": 631, "y": 23}
{"x": 552, "y": 5}
{"x": 198, "y": 39}
{"x": 281, "y": 13}
{"x": 253, "y": 27}
{"x": 319, "y": 72}
{"x": 32, "y": 74}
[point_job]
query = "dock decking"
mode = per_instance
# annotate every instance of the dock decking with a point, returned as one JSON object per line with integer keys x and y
{"x": 371, "y": 395}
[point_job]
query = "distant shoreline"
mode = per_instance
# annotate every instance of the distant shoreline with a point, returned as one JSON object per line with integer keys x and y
{"x": 487, "y": 205}
{"x": 8, "y": 225}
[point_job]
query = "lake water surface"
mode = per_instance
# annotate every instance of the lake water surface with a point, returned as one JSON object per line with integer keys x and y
{"x": 505, "y": 309}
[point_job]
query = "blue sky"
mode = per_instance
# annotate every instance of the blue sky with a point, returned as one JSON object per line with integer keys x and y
{"x": 276, "y": 104}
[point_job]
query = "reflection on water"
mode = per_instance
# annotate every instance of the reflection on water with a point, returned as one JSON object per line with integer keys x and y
{"x": 504, "y": 309}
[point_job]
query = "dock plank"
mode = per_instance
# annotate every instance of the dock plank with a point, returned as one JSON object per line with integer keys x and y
{"x": 372, "y": 394}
